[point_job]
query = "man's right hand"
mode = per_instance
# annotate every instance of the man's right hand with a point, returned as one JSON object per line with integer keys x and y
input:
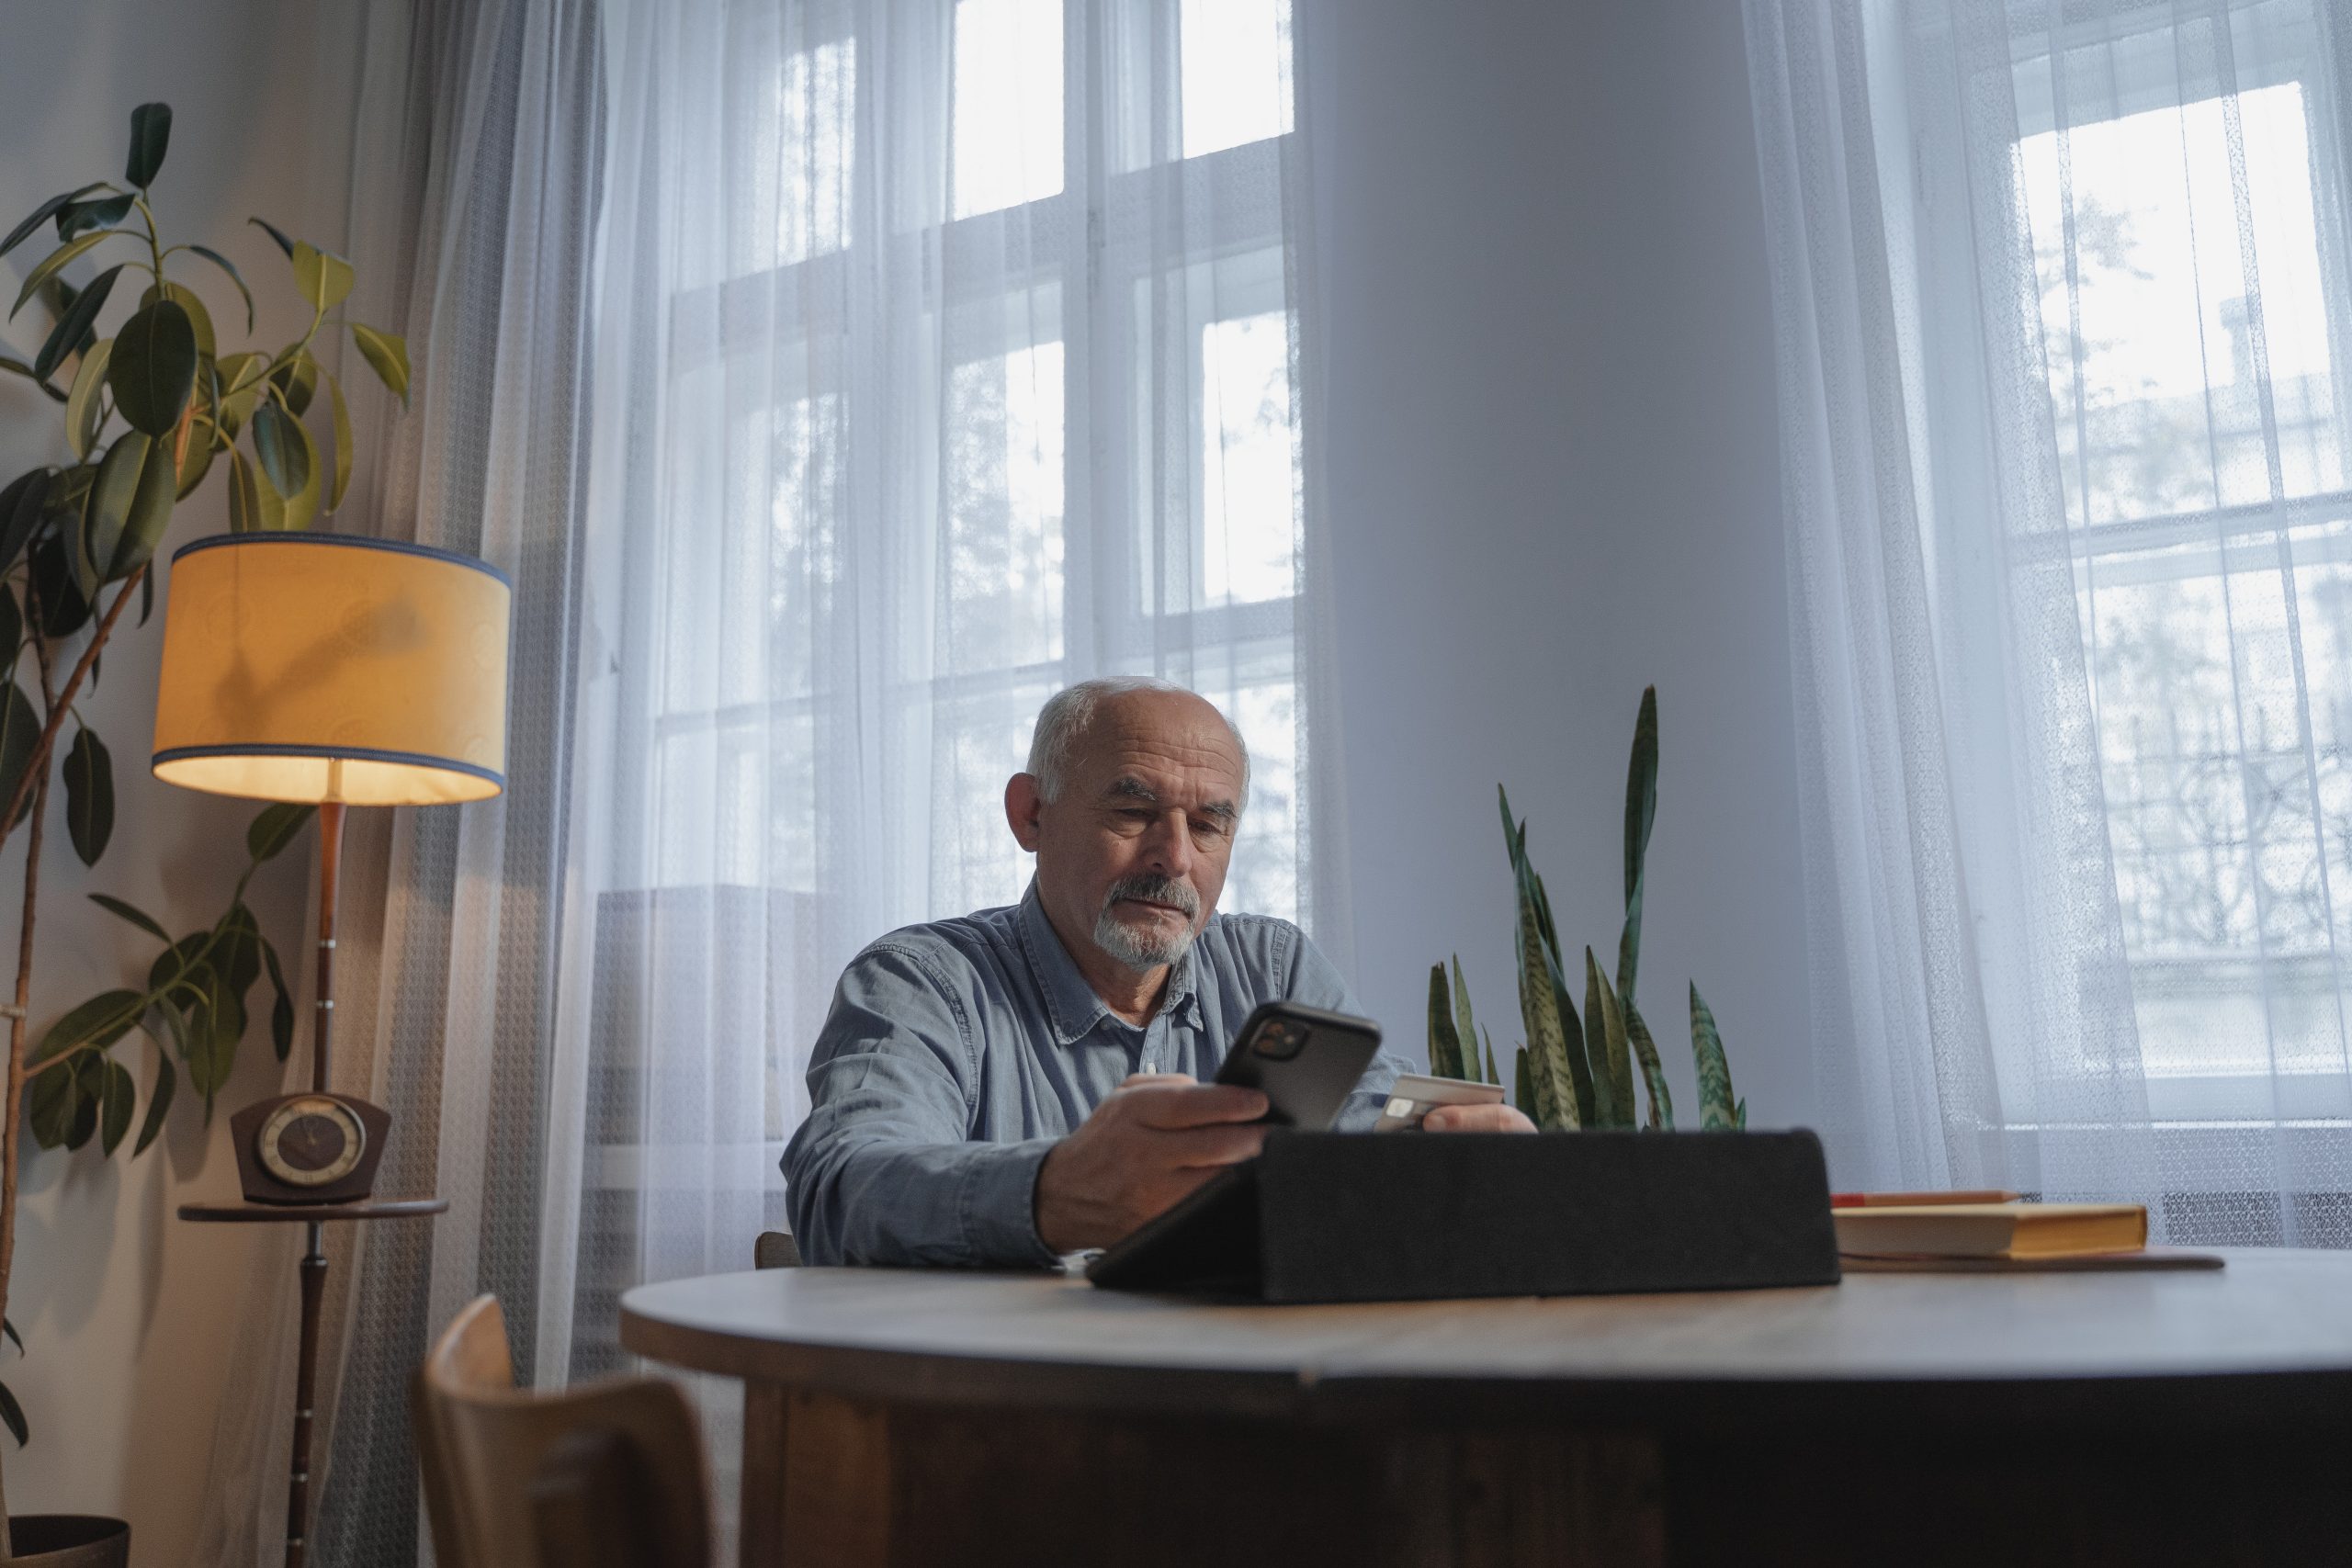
{"x": 1156, "y": 1137}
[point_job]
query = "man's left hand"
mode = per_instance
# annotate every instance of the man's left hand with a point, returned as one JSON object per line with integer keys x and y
{"x": 1476, "y": 1119}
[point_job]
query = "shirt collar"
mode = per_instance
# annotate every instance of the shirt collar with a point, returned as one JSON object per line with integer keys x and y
{"x": 1072, "y": 1008}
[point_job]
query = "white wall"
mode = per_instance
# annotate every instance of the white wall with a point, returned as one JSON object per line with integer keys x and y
{"x": 1551, "y": 448}
{"x": 128, "y": 1313}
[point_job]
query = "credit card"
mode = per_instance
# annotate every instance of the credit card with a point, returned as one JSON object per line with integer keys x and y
{"x": 1415, "y": 1095}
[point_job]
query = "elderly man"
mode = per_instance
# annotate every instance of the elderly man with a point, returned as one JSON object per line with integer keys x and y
{"x": 1025, "y": 1082}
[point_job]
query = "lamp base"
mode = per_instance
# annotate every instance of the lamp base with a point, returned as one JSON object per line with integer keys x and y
{"x": 307, "y": 1148}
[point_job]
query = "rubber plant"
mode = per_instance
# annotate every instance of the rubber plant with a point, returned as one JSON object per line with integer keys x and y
{"x": 146, "y": 413}
{"x": 1578, "y": 1071}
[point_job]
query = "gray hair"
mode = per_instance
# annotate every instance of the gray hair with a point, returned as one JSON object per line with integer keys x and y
{"x": 1068, "y": 713}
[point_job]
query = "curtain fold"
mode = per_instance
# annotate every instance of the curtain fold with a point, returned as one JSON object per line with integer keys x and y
{"x": 2073, "y": 630}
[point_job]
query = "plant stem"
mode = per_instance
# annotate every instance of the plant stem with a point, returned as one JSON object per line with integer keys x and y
{"x": 16, "y": 1097}
{"x": 37, "y": 770}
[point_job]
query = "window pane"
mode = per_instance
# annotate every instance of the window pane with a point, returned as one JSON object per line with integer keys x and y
{"x": 1004, "y": 522}
{"x": 1236, "y": 64}
{"x": 2159, "y": 333}
{"x": 1248, "y": 461}
{"x": 793, "y": 184}
{"x": 1008, "y": 136}
{"x": 1263, "y": 879}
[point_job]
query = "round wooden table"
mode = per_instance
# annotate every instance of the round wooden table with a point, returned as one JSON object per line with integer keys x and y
{"x": 912, "y": 1418}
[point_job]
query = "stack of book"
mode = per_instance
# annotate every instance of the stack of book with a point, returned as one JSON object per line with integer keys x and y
{"x": 1995, "y": 1233}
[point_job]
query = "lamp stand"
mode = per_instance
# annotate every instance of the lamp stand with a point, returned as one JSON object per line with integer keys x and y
{"x": 313, "y": 1265}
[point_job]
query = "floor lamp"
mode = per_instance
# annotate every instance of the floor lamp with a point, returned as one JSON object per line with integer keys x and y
{"x": 333, "y": 671}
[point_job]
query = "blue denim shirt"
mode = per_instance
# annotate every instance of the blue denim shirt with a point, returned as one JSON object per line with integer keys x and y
{"x": 957, "y": 1052}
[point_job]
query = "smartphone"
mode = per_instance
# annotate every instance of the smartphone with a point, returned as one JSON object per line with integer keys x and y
{"x": 1304, "y": 1059}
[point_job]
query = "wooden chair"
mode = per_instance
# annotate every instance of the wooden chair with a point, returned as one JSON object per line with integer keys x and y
{"x": 607, "y": 1475}
{"x": 775, "y": 1249}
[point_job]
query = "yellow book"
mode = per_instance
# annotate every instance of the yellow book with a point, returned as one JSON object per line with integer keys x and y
{"x": 1993, "y": 1230}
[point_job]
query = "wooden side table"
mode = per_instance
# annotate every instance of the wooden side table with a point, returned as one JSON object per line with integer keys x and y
{"x": 313, "y": 1269}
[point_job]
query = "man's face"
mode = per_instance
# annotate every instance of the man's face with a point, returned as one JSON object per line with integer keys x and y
{"x": 1132, "y": 856}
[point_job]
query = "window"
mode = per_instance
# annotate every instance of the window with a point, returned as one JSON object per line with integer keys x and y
{"x": 2193, "y": 308}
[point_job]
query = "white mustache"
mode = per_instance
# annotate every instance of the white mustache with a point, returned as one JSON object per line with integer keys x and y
{"x": 1151, "y": 888}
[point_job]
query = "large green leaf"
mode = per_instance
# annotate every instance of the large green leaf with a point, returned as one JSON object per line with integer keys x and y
{"x": 103, "y": 1019}
{"x": 98, "y": 212}
{"x": 73, "y": 324}
{"x": 21, "y": 505}
{"x": 63, "y": 608}
{"x": 150, "y": 133}
{"x": 297, "y": 382}
{"x": 50, "y": 265}
{"x": 324, "y": 277}
{"x": 20, "y": 729}
{"x": 12, "y": 629}
{"x": 41, "y": 214}
{"x": 54, "y": 1104}
{"x": 1718, "y": 1111}
{"x": 1445, "y": 1045}
{"x": 281, "y": 1006}
{"x": 132, "y": 913}
{"x": 225, "y": 264}
{"x": 187, "y": 298}
{"x": 274, "y": 828}
{"x": 386, "y": 354}
{"x": 238, "y": 954}
{"x": 84, "y": 408}
{"x": 159, "y": 1103}
{"x": 121, "y": 476}
{"x": 213, "y": 1051}
{"x": 89, "y": 796}
{"x": 241, "y": 384}
{"x": 277, "y": 442}
{"x": 1653, "y": 1071}
{"x": 155, "y": 367}
{"x": 342, "y": 452}
{"x": 194, "y": 465}
{"x": 13, "y": 1414}
{"x": 150, "y": 515}
{"x": 303, "y": 506}
{"x": 118, "y": 1098}
{"x": 275, "y": 233}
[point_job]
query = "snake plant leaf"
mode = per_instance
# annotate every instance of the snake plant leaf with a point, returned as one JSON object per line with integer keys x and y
{"x": 1523, "y": 1088}
{"x": 1464, "y": 1027}
{"x": 150, "y": 133}
{"x": 1605, "y": 1036}
{"x": 153, "y": 367}
{"x": 159, "y": 1103}
{"x": 1718, "y": 1111}
{"x": 73, "y": 324}
{"x": 1445, "y": 1045}
{"x": 1640, "y": 814}
{"x": 89, "y": 794}
{"x": 1637, "y": 1034}
{"x": 53, "y": 263}
{"x": 225, "y": 264}
{"x": 41, "y": 214}
{"x": 1563, "y": 1090}
{"x": 1493, "y": 1076}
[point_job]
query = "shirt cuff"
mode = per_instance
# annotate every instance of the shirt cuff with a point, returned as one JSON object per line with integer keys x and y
{"x": 999, "y": 1206}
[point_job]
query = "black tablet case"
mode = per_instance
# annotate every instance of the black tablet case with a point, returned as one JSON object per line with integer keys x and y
{"x": 1411, "y": 1217}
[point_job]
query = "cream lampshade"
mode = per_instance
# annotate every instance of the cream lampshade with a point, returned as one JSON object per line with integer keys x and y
{"x": 325, "y": 667}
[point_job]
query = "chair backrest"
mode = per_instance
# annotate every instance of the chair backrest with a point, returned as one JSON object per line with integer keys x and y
{"x": 775, "y": 1249}
{"x": 607, "y": 1475}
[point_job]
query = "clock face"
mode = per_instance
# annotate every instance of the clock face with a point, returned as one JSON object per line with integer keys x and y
{"x": 311, "y": 1141}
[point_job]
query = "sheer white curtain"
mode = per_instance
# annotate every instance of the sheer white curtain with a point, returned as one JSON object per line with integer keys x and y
{"x": 947, "y": 351}
{"x": 2063, "y": 319}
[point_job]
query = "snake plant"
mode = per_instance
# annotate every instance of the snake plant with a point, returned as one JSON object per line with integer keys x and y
{"x": 1577, "y": 1071}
